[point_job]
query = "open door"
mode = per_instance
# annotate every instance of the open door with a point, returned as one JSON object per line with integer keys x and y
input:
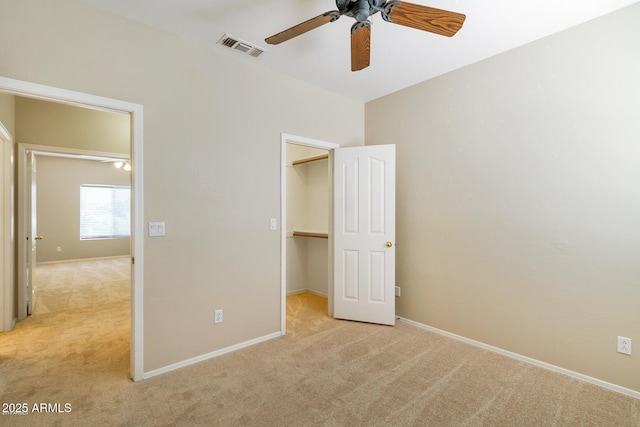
{"x": 26, "y": 294}
{"x": 32, "y": 227}
{"x": 364, "y": 234}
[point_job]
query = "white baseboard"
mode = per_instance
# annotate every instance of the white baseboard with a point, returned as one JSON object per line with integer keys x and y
{"x": 211, "y": 355}
{"x": 61, "y": 261}
{"x": 545, "y": 365}
{"x": 311, "y": 291}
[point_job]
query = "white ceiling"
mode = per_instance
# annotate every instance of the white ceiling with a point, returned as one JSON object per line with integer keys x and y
{"x": 400, "y": 56}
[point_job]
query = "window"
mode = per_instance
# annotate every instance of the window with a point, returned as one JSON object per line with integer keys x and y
{"x": 105, "y": 211}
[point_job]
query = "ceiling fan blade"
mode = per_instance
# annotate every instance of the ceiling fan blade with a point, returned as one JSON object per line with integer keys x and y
{"x": 303, "y": 27}
{"x": 424, "y": 18}
{"x": 360, "y": 45}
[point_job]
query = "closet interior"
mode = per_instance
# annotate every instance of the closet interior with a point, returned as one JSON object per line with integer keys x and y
{"x": 307, "y": 218}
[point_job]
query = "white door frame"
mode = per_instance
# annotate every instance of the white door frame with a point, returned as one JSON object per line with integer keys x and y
{"x": 285, "y": 139}
{"x": 7, "y": 245}
{"x": 83, "y": 100}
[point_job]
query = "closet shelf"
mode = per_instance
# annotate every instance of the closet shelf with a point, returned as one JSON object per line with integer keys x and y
{"x": 311, "y": 234}
{"x": 309, "y": 159}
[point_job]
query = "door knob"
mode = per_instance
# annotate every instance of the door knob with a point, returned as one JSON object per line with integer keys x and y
{"x": 388, "y": 244}
{"x": 39, "y": 237}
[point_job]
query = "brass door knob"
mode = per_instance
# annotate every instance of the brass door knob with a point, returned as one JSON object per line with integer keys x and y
{"x": 388, "y": 244}
{"x": 39, "y": 237}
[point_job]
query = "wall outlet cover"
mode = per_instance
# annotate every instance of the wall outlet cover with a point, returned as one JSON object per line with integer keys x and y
{"x": 624, "y": 345}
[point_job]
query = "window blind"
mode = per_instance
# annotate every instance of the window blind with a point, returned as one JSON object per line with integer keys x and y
{"x": 105, "y": 211}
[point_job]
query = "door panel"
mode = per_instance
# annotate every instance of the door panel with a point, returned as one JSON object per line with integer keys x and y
{"x": 350, "y": 265}
{"x": 350, "y": 198}
{"x": 33, "y": 232}
{"x": 27, "y": 231}
{"x": 377, "y": 262}
{"x": 364, "y": 232}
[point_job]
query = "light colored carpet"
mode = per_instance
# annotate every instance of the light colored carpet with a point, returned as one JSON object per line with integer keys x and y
{"x": 325, "y": 372}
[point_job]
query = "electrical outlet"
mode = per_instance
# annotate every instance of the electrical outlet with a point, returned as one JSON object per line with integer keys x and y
{"x": 397, "y": 291}
{"x": 624, "y": 345}
{"x": 218, "y": 317}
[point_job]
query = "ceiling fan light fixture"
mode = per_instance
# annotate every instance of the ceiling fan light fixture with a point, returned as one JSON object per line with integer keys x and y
{"x": 123, "y": 164}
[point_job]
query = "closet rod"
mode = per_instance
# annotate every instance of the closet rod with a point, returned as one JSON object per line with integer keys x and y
{"x": 309, "y": 159}
{"x": 309, "y": 234}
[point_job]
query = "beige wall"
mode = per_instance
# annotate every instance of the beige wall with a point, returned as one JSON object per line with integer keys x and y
{"x": 519, "y": 197}
{"x": 317, "y": 214}
{"x": 211, "y": 161}
{"x": 58, "y": 205}
{"x": 48, "y": 123}
{"x": 317, "y": 265}
{"x": 307, "y": 192}
{"x": 7, "y": 112}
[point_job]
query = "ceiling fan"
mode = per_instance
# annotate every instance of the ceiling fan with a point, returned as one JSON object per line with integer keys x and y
{"x": 424, "y": 18}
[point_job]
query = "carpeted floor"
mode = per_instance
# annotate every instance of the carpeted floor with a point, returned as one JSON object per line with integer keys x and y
{"x": 72, "y": 355}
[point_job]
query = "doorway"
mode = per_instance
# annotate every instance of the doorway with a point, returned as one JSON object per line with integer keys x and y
{"x": 307, "y": 220}
{"x": 318, "y": 239}
{"x": 307, "y": 227}
{"x": 76, "y": 207}
{"x": 135, "y": 112}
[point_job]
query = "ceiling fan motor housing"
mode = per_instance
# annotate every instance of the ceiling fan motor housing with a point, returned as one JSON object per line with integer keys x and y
{"x": 361, "y": 10}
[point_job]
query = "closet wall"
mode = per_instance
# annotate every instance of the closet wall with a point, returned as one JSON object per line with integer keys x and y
{"x": 308, "y": 212}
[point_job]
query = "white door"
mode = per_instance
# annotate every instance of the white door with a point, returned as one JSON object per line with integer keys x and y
{"x": 364, "y": 234}
{"x": 33, "y": 236}
{"x": 26, "y": 282}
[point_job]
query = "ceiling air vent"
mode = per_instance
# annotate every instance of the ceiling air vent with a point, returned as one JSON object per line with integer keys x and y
{"x": 240, "y": 45}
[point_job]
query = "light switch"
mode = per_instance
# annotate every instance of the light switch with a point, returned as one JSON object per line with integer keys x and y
{"x": 273, "y": 224}
{"x": 156, "y": 229}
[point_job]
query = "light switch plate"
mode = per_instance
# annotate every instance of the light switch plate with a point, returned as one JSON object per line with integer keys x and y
{"x": 156, "y": 229}
{"x": 273, "y": 224}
